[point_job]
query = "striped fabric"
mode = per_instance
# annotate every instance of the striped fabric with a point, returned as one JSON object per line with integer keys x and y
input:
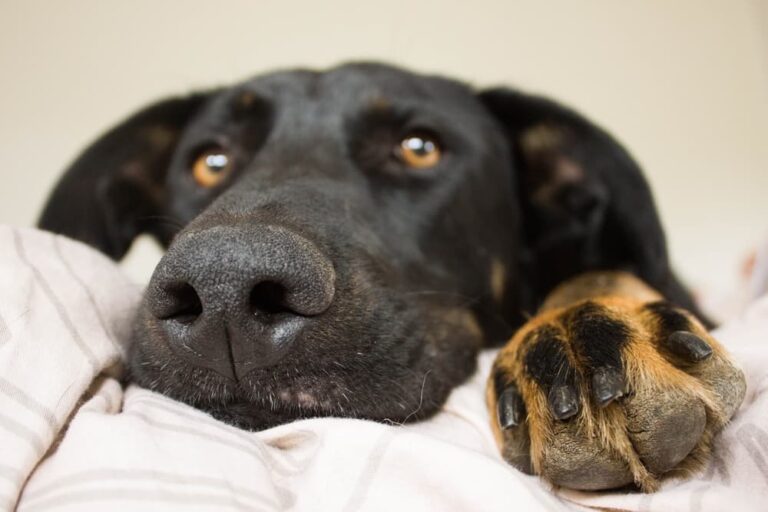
{"x": 72, "y": 439}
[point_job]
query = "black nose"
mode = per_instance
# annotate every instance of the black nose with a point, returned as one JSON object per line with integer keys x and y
{"x": 234, "y": 298}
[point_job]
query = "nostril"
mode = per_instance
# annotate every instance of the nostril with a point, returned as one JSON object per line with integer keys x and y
{"x": 183, "y": 304}
{"x": 268, "y": 297}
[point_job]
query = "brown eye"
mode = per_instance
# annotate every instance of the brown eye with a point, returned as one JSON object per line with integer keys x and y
{"x": 419, "y": 151}
{"x": 211, "y": 167}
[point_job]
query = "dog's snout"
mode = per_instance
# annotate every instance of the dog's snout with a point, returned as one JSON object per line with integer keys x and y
{"x": 234, "y": 298}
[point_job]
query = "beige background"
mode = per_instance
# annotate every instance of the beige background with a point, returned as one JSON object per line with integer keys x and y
{"x": 683, "y": 83}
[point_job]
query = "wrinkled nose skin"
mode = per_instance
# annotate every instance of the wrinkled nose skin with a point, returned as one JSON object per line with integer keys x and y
{"x": 234, "y": 298}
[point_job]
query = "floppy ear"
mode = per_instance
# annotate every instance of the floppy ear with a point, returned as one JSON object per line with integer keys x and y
{"x": 115, "y": 190}
{"x": 586, "y": 205}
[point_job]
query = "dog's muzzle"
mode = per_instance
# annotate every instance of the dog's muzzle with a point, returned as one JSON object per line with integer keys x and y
{"x": 234, "y": 298}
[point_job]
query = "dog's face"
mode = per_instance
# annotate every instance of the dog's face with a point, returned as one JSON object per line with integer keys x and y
{"x": 340, "y": 243}
{"x": 393, "y": 195}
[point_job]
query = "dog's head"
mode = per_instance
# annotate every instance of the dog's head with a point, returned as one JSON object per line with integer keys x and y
{"x": 342, "y": 243}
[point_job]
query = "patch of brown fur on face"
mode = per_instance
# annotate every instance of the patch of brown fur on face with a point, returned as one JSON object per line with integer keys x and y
{"x": 135, "y": 172}
{"x": 498, "y": 279}
{"x": 541, "y": 139}
{"x": 380, "y": 104}
{"x": 160, "y": 137}
{"x": 450, "y": 326}
{"x": 543, "y": 149}
{"x": 246, "y": 100}
{"x": 464, "y": 321}
{"x": 142, "y": 170}
{"x": 561, "y": 171}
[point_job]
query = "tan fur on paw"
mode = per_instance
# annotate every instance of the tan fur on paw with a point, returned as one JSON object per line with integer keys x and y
{"x": 610, "y": 389}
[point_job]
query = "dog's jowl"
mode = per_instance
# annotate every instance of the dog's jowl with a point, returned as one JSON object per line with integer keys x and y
{"x": 343, "y": 243}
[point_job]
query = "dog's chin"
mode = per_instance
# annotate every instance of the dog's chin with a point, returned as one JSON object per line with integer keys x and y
{"x": 266, "y": 399}
{"x": 395, "y": 379}
{"x": 262, "y": 415}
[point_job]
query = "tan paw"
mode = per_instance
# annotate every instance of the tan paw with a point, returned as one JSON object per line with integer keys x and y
{"x": 611, "y": 391}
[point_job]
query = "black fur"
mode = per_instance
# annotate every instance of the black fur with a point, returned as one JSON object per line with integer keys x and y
{"x": 597, "y": 338}
{"x": 546, "y": 362}
{"x": 414, "y": 252}
{"x": 669, "y": 317}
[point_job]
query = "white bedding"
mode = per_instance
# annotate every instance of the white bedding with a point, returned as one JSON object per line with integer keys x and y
{"x": 64, "y": 318}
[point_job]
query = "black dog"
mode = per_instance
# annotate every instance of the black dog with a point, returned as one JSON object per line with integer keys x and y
{"x": 343, "y": 243}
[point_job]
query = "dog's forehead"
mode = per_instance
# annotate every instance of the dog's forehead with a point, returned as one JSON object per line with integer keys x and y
{"x": 358, "y": 83}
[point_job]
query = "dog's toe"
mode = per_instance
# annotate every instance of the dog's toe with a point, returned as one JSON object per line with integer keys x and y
{"x": 579, "y": 462}
{"x": 664, "y": 427}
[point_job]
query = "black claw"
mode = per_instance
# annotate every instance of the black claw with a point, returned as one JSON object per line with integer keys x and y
{"x": 563, "y": 401}
{"x": 510, "y": 408}
{"x": 689, "y": 346}
{"x": 607, "y": 385}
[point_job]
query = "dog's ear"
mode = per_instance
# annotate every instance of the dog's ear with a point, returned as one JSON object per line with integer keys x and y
{"x": 586, "y": 205}
{"x": 115, "y": 190}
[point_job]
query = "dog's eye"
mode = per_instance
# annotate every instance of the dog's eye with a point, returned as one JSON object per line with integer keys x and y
{"x": 211, "y": 167}
{"x": 419, "y": 151}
